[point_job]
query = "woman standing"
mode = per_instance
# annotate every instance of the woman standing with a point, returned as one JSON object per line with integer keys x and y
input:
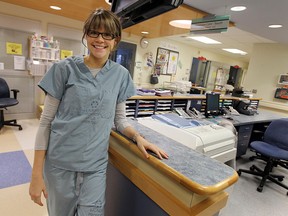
{"x": 84, "y": 96}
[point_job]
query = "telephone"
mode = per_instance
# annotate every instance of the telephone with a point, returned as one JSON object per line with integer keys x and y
{"x": 242, "y": 107}
{"x": 182, "y": 113}
{"x": 189, "y": 113}
{"x": 230, "y": 111}
{"x": 195, "y": 113}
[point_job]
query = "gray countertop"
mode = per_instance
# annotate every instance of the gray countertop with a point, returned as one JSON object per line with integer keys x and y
{"x": 262, "y": 116}
{"x": 199, "y": 168}
{"x": 194, "y": 165}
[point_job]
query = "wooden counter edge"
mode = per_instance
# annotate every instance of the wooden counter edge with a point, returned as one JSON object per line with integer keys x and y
{"x": 188, "y": 97}
{"x": 176, "y": 176}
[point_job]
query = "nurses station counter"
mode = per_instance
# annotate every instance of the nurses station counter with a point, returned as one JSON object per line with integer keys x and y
{"x": 188, "y": 183}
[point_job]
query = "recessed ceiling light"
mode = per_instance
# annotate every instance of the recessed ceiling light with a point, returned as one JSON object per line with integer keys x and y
{"x": 275, "y": 26}
{"x": 205, "y": 40}
{"x": 186, "y": 24}
{"x": 55, "y": 7}
{"x": 107, "y": 1}
{"x": 235, "y": 51}
{"x": 238, "y": 8}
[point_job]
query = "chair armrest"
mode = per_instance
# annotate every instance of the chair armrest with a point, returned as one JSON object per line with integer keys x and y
{"x": 15, "y": 91}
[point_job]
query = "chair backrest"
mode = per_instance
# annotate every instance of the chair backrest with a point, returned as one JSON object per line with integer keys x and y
{"x": 4, "y": 89}
{"x": 277, "y": 133}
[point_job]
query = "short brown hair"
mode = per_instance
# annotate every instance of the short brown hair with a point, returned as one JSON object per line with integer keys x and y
{"x": 103, "y": 18}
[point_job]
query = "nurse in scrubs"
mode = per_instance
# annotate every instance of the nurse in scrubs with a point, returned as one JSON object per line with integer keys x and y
{"x": 85, "y": 96}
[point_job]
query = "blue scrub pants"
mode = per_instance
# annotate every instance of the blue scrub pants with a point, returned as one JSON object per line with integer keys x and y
{"x": 74, "y": 193}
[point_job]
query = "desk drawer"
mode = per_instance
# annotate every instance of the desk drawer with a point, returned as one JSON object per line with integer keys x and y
{"x": 245, "y": 128}
{"x": 242, "y": 147}
{"x": 244, "y": 134}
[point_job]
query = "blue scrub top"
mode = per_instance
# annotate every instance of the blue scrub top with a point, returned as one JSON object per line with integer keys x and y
{"x": 79, "y": 135}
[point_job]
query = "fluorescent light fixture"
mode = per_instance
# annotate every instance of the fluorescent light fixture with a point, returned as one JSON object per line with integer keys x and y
{"x": 238, "y": 8}
{"x": 186, "y": 24}
{"x": 55, "y": 7}
{"x": 275, "y": 26}
{"x": 145, "y": 32}
{"x": 205, "y": 40}
{"x": 235, "y": 51}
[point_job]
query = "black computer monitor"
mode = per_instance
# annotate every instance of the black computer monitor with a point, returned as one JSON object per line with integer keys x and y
{"x": 212, "y": 104}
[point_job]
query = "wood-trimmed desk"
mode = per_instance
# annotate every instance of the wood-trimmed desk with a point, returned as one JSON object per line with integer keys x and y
{"x": 188, "y": 183}
{"x": 246, "y": 125}
{"x": 177, "y": 186}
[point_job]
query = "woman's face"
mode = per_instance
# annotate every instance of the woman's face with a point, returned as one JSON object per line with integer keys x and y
{"x": 100, "y": 45}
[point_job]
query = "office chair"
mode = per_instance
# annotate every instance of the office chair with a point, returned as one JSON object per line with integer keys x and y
{"x": 273, "y": 150}
{"x": 7, "y": 101}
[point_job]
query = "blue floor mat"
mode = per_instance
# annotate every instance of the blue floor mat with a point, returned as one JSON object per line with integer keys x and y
{"x": 15, "y": 169}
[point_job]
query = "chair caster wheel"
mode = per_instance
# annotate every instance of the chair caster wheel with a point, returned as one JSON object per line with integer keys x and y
{"x": 252, "y": 168}
{"x": 239, "y": 173}
{"x": 280, "y": 179}
{"x": 20, "y": 128}
{"x": 260, "y": 189}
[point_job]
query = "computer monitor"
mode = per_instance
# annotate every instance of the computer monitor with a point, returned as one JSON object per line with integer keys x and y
{"x": 132, "y": 12}
{"x": 212, "y": 104}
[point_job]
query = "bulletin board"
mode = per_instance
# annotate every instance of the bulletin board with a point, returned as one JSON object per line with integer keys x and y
{"x": 281, "y": 93}
{"x": 166, "y": 62}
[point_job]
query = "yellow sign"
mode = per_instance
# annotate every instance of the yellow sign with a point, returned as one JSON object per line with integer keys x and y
{"x": 13, "y": 48}
{"x": 66, "y": 53}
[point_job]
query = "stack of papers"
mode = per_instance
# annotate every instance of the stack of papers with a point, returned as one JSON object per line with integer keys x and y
{"x": 163, "y": 92}
{"x": 174, "y": 120}
{"x": 145, "y": 92}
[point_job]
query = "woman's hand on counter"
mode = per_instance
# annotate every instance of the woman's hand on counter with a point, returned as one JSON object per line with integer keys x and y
{"x": 145, "y": 146}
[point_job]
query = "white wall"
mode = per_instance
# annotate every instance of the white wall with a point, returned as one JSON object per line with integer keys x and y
{"x": 186, "y": 54}
{"x": 266, "y": 63}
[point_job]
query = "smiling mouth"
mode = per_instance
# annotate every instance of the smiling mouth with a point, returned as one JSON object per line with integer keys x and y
{"x": 99, "y": 47}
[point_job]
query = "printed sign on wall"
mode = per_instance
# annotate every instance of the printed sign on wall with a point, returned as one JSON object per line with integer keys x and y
{"x": 13, "y": 48}
{"x": 66, "y": 53}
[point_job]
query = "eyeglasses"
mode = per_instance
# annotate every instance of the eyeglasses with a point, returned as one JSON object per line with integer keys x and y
{"x": 105, "y": 36}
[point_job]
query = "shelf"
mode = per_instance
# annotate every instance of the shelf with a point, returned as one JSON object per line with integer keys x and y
{"x": 45, "y": 59}
{"x": 38, "y": 51}
{"x": 47, "y": 48}
{"x": 147, "y": 106}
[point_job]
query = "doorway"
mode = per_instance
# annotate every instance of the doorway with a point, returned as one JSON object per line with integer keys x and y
{"x": 125, "y": 55}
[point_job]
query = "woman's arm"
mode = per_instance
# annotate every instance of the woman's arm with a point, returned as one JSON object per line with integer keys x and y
{"x": 126, "y": 129}
{"x": 37, "y": 185}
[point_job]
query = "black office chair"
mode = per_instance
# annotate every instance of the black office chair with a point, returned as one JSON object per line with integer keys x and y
{"x": 7, "y": 101}
{"x": 273, "y": 149}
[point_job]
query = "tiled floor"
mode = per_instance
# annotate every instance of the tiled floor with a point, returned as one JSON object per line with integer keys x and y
{"x": 15, "y": 201}
{"x": 16, "y": 157}
{"x": 245, "y": 200}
